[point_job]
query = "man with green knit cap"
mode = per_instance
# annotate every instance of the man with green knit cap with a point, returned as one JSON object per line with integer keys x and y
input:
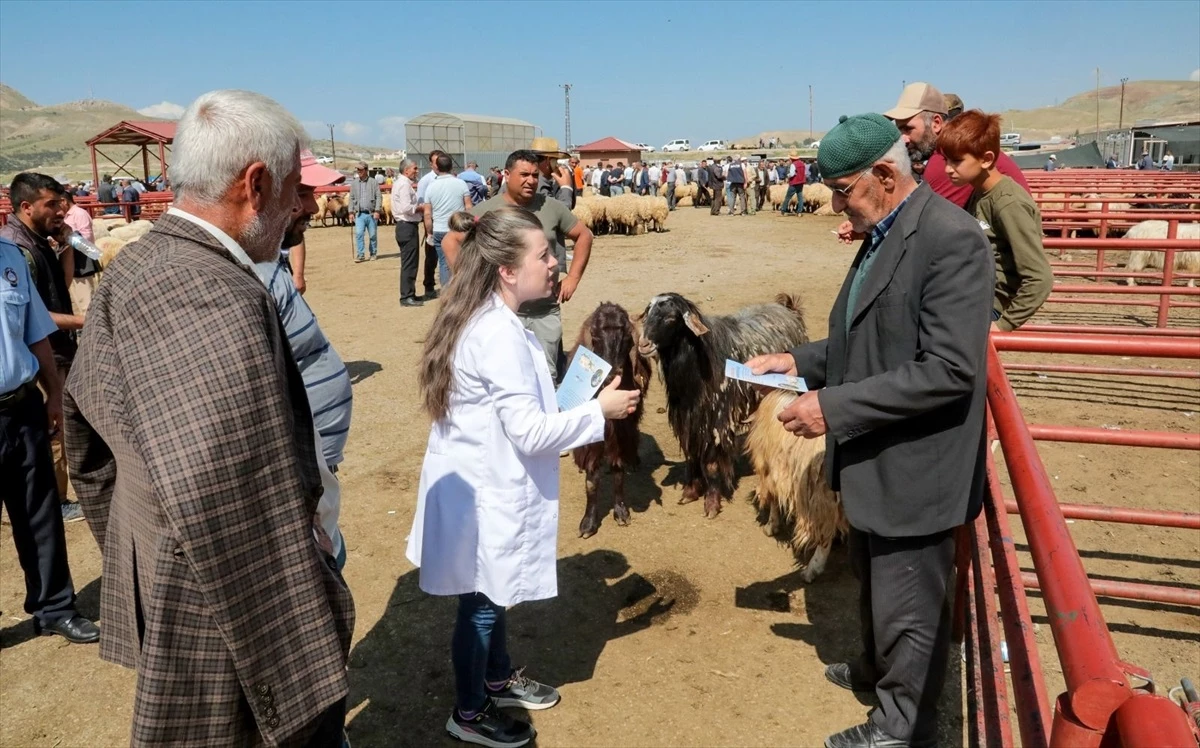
{"x": 897, "y": 390}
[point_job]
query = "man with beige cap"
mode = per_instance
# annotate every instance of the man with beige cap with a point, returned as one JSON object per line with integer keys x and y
{"x": 920, "y": 114}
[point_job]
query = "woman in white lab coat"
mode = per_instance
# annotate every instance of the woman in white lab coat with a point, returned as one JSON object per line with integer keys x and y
{"x": 486, "y": 525}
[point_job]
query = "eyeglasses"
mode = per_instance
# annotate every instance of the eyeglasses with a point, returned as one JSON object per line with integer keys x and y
{"x": 845, "y": 191}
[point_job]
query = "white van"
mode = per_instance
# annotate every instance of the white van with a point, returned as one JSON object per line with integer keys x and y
{"x": 1010, "y": 138}
{"x": 679, "y": 144}
{"x": 713, "y": 145}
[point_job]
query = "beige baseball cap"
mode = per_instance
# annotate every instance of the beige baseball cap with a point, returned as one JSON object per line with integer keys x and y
{"x": 917, "y": 98}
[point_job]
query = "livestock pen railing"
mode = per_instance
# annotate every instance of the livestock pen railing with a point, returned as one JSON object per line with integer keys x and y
{"x": 1163, "y": 286}
{"x": 1099, "y": 705}
{"x": 1107, "y": 215}
{"x": 150, "y": 206}
{"x": 1111, "y": 178}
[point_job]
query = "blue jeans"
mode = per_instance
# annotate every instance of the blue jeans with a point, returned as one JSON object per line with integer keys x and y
{"x": 794, "y": 189}
{"x": 443, "y": 266}
{"x": 616, "y": 189}
{"x": 365, "y": 221}
{"x": 478, "y": 649}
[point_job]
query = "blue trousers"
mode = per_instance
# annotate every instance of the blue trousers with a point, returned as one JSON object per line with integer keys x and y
{"x": 365, "y": 221}
{"x": 794, "y": 189}
{"x": 478, "y": 649}
{"x": 443, "y": 266}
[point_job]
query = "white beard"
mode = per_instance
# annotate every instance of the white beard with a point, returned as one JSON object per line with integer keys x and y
{"x": 261, "y": 237}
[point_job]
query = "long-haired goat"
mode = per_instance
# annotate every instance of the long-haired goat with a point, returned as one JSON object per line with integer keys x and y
{"x": 610, "y": 333}
{"x": 1140, "y": 259}
{"x": 795, "y": 504}
{"x": 706, "y": 410}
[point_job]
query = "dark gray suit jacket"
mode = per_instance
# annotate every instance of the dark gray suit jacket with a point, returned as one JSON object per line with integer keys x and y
{"x": 904, "y": 393}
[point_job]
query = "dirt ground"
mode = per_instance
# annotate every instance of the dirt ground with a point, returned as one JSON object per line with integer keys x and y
{"x": 676, "y": 630}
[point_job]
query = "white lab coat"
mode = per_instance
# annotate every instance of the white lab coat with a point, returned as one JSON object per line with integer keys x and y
{"x": 487, "y": 503}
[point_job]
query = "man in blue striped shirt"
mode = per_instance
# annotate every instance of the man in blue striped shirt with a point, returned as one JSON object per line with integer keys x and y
{"x": 325, "y": 376}
{"x": 326, "y": 379}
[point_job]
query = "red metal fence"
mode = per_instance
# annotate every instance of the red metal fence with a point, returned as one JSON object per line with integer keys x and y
{"x": 1099, "y": 706}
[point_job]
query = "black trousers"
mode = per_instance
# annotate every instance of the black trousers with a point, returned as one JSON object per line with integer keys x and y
{"x": 331, "y": 725}
{"x": 904, "y": 610}
{"x": 30, "y": 494}
{"x": 408, "y": 239}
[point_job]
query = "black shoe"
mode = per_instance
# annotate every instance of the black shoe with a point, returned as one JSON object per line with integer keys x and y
{"x": 490, "y": 727}
{"x": 411, "y": 301}
{"x": 867, "y": 735}
{"x": 76, "y": 629}
{"x": 429, "y": 296}
{"x": 840, "y": 674}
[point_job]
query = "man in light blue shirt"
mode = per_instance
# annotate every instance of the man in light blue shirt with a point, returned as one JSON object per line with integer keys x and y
{"x": 475, "y": 183}
{"x": 446, "y": 195}
{"x": 28, "y": 487}
{"x": 424, "y": 182}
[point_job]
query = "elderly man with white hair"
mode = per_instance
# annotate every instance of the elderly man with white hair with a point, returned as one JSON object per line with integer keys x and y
{"x": 192, "y": 450}
{"x": 897, "y": 392}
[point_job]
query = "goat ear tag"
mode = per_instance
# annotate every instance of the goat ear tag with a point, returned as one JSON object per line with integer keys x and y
{"x": 694, "y": 324}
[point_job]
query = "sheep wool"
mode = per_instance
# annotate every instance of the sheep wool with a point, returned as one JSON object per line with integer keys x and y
{"x": 794, "y": 501}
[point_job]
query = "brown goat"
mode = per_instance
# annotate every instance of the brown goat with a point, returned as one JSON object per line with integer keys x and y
{"x": 795, "y": 504}
{"x": 610, "y": 333}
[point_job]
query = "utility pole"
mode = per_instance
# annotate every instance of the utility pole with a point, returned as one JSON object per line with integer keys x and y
{"x": 566, "y": 87}
{"x": 1121, "y": 117}
{"x": 810, "y": 129}
{"x": 332, "y": 147}
{"x": 1097, "y": 107}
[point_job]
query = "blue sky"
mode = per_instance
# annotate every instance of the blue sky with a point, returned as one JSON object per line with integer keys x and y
{"x": 641, "y": 71}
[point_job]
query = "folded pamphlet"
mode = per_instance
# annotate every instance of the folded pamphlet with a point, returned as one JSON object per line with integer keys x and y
{"x": 582, "y": 380}
{"x": 741, "y": 372}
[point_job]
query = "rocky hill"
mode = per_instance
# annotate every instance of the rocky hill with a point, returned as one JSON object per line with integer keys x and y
{"x": 1159, "y": 101}
{"x": 52, "y": 139}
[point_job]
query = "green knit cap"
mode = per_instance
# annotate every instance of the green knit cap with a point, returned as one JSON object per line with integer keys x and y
{"x": 854, "y": 144}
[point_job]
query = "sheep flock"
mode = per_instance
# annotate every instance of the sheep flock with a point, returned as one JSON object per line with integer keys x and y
{"x": 623, "y": 214}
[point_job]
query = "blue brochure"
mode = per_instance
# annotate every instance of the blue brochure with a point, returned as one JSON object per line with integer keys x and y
{"x": 734, "y": 370}
{"x": 582, "y": 380}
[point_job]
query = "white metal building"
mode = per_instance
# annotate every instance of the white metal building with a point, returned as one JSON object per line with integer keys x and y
{"x": 465, "y": 137}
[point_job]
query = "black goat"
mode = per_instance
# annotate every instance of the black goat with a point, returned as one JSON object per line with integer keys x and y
{"x": 707, "y": 412}
{"x": 610, "y": 333}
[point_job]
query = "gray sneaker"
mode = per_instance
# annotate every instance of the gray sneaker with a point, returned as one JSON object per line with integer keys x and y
{"x": 525, "y": 693}
{"x": 490, "y": 727}
{"x": 71, "y": 512}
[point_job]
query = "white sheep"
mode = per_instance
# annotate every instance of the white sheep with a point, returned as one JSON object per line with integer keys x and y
{"x": 1185, "y": 260}
{"x": 132, "y": 231}
{"x": 776, "y": 193}
{"x": 110, "y": 247}
{"x": 795, "y": 503}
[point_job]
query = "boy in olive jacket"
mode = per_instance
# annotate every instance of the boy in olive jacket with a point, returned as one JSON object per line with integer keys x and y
{"x": 1006, "y": 213}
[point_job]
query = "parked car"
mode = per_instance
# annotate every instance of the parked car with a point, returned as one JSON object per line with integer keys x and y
{"x": 324, "y": 160}
{"x": 713, "y": 145}
{"x": 815, "y": 144}
{"x": 1010, "y": 138}
{"x": 645, "y": 148}
{"x": 679, "y": 144}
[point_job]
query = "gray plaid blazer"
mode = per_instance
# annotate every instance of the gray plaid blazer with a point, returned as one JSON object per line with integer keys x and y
{"x": 190, "y": 445}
